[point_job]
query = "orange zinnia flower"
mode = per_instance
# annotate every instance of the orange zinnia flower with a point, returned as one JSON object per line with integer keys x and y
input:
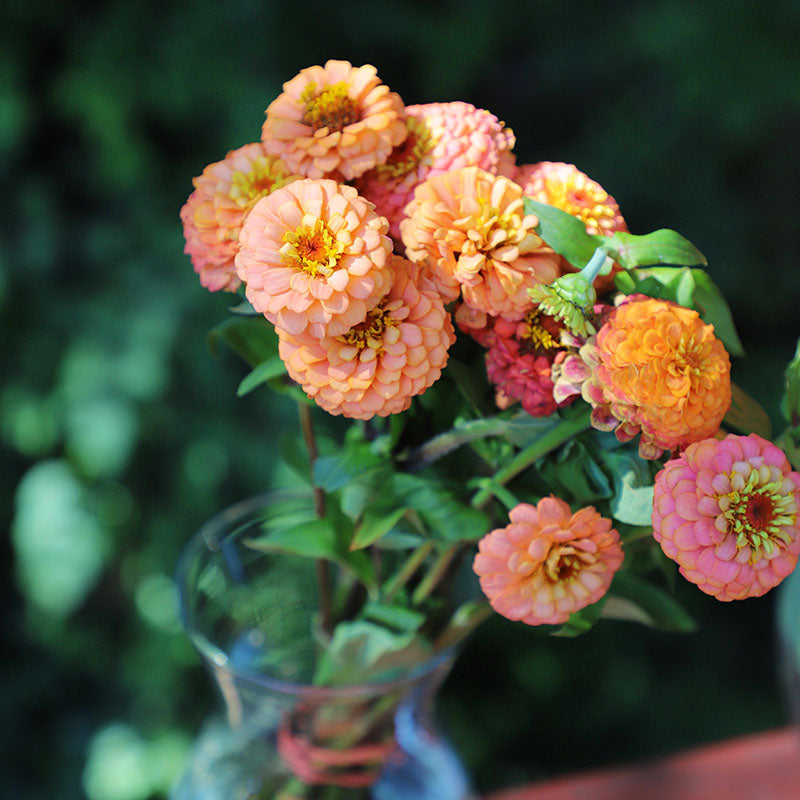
{"x": 334, "y": 119}
{"x": 377, "y": 366}
{"x": 469, "y": 226}
{"x": 314, "y": 255}
{"x": 660, "y": 369}
{"x": 548, "y": 562}
{"x": 215, "y": 211}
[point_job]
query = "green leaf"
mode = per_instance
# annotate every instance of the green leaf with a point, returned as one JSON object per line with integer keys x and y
{"x": 791, "y": 398}
{"x": 659, "y": 247}
{"x": 646, "y": 603}
{"x": 356, "y": 459}
{"x": 564, "y": 233}
{"x": 394, "y": 616}
{"x": 522, "y": 429}
{"x": 577, "y": 473}
{"x": 252, "y": 338}
{"x": 375, "y": 523}
{"x": 747, "y": 415}
{"x": 632, "y": 502}
{"x": 266, "y": 371}
{"x": 364, "y": 651}
{"x": 714, "y": 309}
{"x": 581, "y": 621}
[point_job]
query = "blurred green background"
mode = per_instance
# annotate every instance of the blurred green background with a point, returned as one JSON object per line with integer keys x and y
{"x": 121, "y": 434}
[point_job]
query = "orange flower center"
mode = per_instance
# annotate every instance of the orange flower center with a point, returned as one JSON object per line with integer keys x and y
{"x": 372, "y": 331}
{"x": 411, "y": 153}
{"x": 312, "y": 249}
{"x": 758, "y": 509}
{"x": 266, "y": 175}
{"x": 564, "y": 562}
{"x": 332, "y": 108}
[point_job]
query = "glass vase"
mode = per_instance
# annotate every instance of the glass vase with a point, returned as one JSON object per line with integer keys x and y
{"x": 252, "y": 616}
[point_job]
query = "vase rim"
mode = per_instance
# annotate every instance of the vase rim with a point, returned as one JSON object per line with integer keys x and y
{"x": 217, "y": 656}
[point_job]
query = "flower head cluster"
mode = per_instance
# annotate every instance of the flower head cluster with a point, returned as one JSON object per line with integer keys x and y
{"x": 379, "y": 364}
{"x": 658, "y": 369}
{"x": 334, "y": 120}
{"x": 215, "y": 211}
{"x": 470, "y": 228}
{"x": 727, "y": 513}
{"x": 441, "y": 137}
{"x": 314, "y": 255}
{"x": 548, "y": 562}
{"x": 519, "y": 359}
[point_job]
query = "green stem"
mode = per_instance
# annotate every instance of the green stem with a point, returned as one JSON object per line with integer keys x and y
{"x": 323, "y": 572}
{"x": 404, "y": 574}
{"x": 466, "y": 618}
{"x": 435, "y": 574}
{"x": 555, "y": 437}
{"x": 448, "y": 441}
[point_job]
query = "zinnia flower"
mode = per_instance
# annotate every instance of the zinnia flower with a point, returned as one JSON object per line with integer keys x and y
{"x": 469, "y": 226}
{"x": 519, "y": 360}
{"x": 727, "y": 513}
{"x": 336, "y": 118}
{"x": 377, "y": 366}
{"x": 441, "y": 137}
{"x": 566, "y": 187}
{"x": 314, "y": 255}
{"x": 659, "y": 370}
{"x": 548, "y": 562}
{"x": 215, "y": 211}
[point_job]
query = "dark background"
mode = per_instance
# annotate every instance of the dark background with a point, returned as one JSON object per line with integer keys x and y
{"x": 120, "y": 433}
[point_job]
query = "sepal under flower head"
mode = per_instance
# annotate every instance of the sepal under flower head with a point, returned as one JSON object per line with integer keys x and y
{"x": 547, "y": 562}
{"x": 378, "y": 365}
{"x": 337, "y": 119}
{"x": 727, "y": 512}
{"x": 314, "y": 255}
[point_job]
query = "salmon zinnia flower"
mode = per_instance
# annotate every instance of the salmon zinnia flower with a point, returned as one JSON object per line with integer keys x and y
{"x": 215, "y": 211}
{"x": 441, "y": 137}
{"x": 469, "y": 226}
{"x": 377, "y": 366}
{"x": 314, "y": 255}
{"x": 334, "y": 119}
{"x": 659, "y": 369}
{"x": 727, "y": 513}
{"x": 548, "y": 562}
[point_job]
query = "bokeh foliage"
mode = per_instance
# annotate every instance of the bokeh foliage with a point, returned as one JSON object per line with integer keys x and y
{"x": 120, "y": 433}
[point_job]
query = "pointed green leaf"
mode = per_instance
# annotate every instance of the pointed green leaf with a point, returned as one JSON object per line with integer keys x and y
{"x": 747, "y": 415}
{"x": 659, "y": 247}
{"x": 632, "y": 502}
{"x": 252, "y": 338}
{"x": 714, "y": 309}
{"x": 374, "y": 524}
{"x": 394, "y": 616}
{"x": 581, "y": 621}
{"x": 564, "y": 233}
{"x": 354, "y": 460}
{"x": 266, "y": 371}
{"x": 791, "y": 397}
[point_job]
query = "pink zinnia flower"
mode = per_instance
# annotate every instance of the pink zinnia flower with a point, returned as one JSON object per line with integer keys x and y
{"x": 727, "y": 513}
{"x": 314, "y": 255}
{"x": 470, "y": 228}
{"x": 334, "y": 119}
{"x": 377, "y": 366}
{"x": 519, "y": 361}
{"x": 547, "y": 562}
{"x": 441, "y": 137}
{"x": 215, "y": 211}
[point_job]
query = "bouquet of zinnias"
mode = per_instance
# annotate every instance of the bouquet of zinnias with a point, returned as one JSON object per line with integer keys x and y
{"x": 536, "y": 393}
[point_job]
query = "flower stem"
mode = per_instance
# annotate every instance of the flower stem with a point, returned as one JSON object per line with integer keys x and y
{"x": 445, "y": 442}
{"x": 435, "y": 574}
{"x": 411, "y": 565}
{"x": 323, "y": 572}
{"x": 555, "y": 437}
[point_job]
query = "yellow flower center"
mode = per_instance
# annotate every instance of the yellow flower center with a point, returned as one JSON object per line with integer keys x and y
{"x": 413, "y": 152}
{"x": 371, "y": 333}
{"x": 536, "y": 334}
{"x": 266, "y": 174}
{"x": 312, "y": 249}
{"x": 758, "y": 509}
{"x": 564, "y": 562}
{"x": 332, "y": 108}
{"x": 496, "y": 229}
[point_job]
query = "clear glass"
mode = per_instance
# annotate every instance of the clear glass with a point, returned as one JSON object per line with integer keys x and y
{"x": 251, "y": 615}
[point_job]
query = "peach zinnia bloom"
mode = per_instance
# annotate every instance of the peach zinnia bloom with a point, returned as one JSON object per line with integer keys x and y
{"x": 548, "y": 562}
{"x": 377, "y": 366}
{"x": 469, "y": 226}
{"x": 659, "y": 370}
{"x": 215, "y": 211}
{"x": 727, "y": 513}
{"x": 441, "y": 137}
{"x": 314, "y": 255}
{"x": 337, "y": 118}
